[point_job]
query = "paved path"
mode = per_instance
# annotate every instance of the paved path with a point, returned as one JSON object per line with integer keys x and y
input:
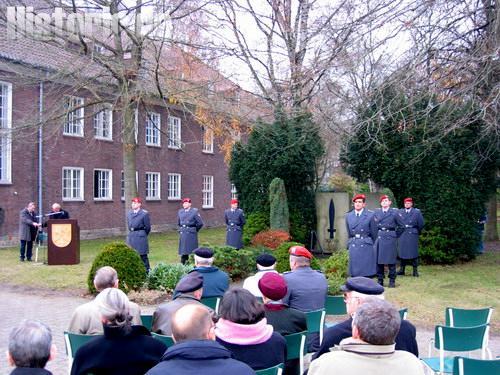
{"x": 55, "y": 310}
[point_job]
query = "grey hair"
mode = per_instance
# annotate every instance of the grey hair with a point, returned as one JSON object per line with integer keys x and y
{"x": 301, "y": 261}
{"x": 114, "y": 306}
{"x": 105, "y": 277}
{"x": 378, "y": 321}
{"x": 30, "y": 343}
{"x": 203, "y": 261}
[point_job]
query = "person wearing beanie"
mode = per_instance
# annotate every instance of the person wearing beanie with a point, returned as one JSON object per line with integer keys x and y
{"x": 215, "y": 281}
{"x": 265, "y": 263}
{"x": 235, "y": 220}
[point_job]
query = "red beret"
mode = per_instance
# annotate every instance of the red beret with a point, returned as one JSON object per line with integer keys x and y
{"x": 359, "y": 196}
{"x": 408, "y": 200}
{"x": 233, "y": 201}
{"x": 383, "y": 197}
{"x": 137, "y": 200}
{"x": 273, "y": 286}
{"x": 300, "y": 251}
{"x": 188, "y": 200}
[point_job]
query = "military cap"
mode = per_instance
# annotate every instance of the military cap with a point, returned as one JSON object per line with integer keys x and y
{"x": 188, "y": 200}
{"x": 137, "y": 200}
{"x": 359, "y": 196}
{"x": 273, "y": 286}
{"x": 300, "y": 251}
{"x": 383, "y": 197}
{"x": 265, "y": 260}
{"x": 189, "y": 283}
{"x": 362, "y": 285}
{"x": 408, "y": 200}
{"x": 204, "y": 252}
{"x": 234, "y": 201}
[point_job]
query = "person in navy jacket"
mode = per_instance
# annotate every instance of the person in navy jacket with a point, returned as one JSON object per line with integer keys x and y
{"x": 235, "y": 220}
{"x": 413, "y": 222}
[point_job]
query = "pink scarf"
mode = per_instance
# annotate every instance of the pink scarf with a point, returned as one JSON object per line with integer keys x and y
{"x": 243, "y": 334}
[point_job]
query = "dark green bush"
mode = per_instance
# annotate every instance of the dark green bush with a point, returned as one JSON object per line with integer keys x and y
{"x": 125, "y": 261}
{"x": 335, "y": 269}
{"x": 256, "y": 222}
{"x": 298, "y": 227}
{"x": 434, "y": 247}
{"x": 166, "y": 276}
{"x": 282, "y": 257}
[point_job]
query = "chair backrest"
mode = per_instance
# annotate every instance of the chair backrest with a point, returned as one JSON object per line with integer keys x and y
{"x": 73, "y": 342}
{"x": 403, "y": 313}
{"x": 471, "y": 366}
{"x": 455, "y": 317}
{"x": 335, "y": 305}
{"x": 212, "y": 302}
{"x": 167, "y": 340}
{"x": 458, "y": 339}
{"x": 296, "y": 347}
{"x": 315, "y": 322}
{"x": 275, "y": 370}
{"x": 147, "y": 321}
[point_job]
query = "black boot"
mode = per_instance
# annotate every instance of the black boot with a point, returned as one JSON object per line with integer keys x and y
{"x": 402, "y": 270}
{"x": 415, "y": 267}
{"x": 392, "y": 283}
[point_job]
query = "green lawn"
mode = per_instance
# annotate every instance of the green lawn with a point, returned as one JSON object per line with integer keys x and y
{"x": 473, "y": 284}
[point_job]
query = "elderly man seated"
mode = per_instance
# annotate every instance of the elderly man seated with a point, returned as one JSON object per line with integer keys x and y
{"x": 265, "y": 263}
{"x": 30, "y": 348}
{"x": 371, "y": 349}
{"x": 215, "y": 281}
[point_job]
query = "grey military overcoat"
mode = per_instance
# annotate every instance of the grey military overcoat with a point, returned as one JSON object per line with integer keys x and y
{"x": 235, "y": 220}
{"x": 413, "y": 223}
{"x": 362, "y": 233}
{"x": 189, "y": 222}
{"x": 139, "y": 226}
{"x": 389, "y": 226}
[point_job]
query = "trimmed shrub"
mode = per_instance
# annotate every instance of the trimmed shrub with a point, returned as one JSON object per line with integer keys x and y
{"x": 125, "y": 261}
{"x": 256, "y": 222}
{"x": 298, "y": 227}
{"x": 279, "y": 217}
{"x": 283, "y": 257}
{"x": 335, "y": 269}
{"x": 165, "y": 276}
{"x": 271, "y": 238}
{"x": 434, "y": 247}
{"x": 237, "y": 263}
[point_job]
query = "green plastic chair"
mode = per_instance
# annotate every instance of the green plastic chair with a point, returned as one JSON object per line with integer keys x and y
{"x": 275, "y": 370}
{"x": 315, "y": 322}
{"x": 167, "y": 340}
{"x": 296, "y": 347}
{"x": 212, "y": 302}
{"x": 335, "y": 305}
{"x": 456, "y": 317}
{"x": 73, "y": 342}
{"x": 471, "y": 366}
{"x": 455, "y": 340}
{"x": 147, "y": 321}
{"x": 403, "y": 313}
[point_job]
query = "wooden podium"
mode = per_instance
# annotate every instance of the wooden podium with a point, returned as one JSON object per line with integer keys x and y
{"x": 64, "y": 242}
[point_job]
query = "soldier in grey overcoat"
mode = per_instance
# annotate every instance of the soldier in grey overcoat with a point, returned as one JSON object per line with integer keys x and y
{"x": 28, "y": 228}
{"x": 389, "y": 225}
{"x": 362, "y": 232}
{"x": 189, "y": 222}
{"x": 139, "y": 226}
{"x": 235, "y": 220}
{"x": 413, "y": 223}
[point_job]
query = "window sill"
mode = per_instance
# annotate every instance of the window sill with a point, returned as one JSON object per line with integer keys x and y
{"x": 103, "y": 199}
{"x": 73, "y": 135}
{"x": 104, "y": 139}
{"x": 153, "y": 145}
{"x": 207, "y": 207}
{"x": 207, "y": 152}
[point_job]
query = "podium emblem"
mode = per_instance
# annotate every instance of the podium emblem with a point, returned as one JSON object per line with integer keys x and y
{"x": 61, "y": 234}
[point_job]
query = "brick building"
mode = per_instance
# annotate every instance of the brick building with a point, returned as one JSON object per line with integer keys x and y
{"x": 74, "y": 155}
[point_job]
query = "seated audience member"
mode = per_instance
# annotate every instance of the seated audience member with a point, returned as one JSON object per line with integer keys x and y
{"x": 30, "y": 348}
{"x": 356, "y": 290}
{"x": 265, "y": 263}
{"x": 195, "y": 350}
{"x": 371, "y": 349}
{"x": 187, "y": 291}
{"x": 242, "y": 328}
{"x": 124, "y": 349}
{"x": 86, "y": 318}
{"x": 215, "y": 281}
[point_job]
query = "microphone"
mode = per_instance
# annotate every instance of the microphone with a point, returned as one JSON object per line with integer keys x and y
{"x": 49, "y": 214}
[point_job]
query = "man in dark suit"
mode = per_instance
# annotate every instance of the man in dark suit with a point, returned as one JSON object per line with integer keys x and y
{"x": 235, "y": 220}
{"x": 28, "y": 227}
{"x": 139, "y": 226}
{"x": 413, "y": 222}
{"x": 362, "y": 233}
{"x": 390, "y": 225}
{"x": 189, "y": 222}
{"x": 58, "y": 213}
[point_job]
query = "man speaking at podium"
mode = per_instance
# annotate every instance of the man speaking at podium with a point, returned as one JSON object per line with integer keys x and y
{"x": 139, "y": 226}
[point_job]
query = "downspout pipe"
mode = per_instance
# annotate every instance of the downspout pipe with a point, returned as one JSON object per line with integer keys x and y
{"x": 40, "y": 149}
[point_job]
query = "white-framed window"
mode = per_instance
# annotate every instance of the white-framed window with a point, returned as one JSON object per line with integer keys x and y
{"x": 208, "y": 192}
{"x": 103, "y": 122}
{"x": 122, "y": 184}
{"x": 73, "y": 124}
{"x": 153, "y": 185}
{"x": 174, "y": 186}
{"x": 5, "y": 132}
{"x": 174, "y": 132}
{"x": 234, "y": 192}
{"x": 72, "y": 184}
{"x": 103, "y": 184}
{"x": 153, "y": 128}
{"x": 208, "y": 140}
